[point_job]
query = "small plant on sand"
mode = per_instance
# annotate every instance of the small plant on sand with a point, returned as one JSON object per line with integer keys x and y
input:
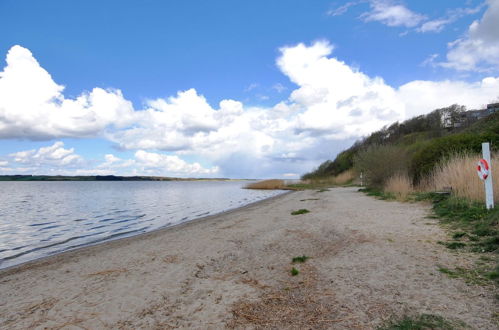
{"x": 458, "y": 234}
{"x": 453, "y": 245}
{"x": 294, "y": 271}
{"x": 300, "y": 211}
{"x": 421, "y": 322}
{"x": 300, "y": 259}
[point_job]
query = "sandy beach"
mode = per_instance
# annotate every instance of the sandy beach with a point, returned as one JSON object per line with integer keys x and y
{"x": 370, "y": 260}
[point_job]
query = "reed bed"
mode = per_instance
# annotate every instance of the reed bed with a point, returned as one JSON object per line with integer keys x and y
{"x": 341, "y": 179}
{"x": 459, "y": 173}
{"x": 345, "y": 177}
{"x": 267, "y": 185}
{"x": 400, "y": 185}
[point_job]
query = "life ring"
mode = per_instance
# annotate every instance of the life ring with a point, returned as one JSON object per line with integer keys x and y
{"x": 483, "y": 169}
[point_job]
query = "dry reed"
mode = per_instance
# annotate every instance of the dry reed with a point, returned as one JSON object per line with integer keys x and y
{"x": 267, "y": 184}
{"x": 459, "y": 173}
{"x": 345, "y": 177}
{"x": 400, "y": 185}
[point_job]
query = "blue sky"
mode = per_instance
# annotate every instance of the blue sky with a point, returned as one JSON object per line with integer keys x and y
{"x": 228, "y": 88}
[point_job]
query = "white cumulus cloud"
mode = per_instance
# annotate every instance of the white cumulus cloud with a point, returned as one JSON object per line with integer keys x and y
{"x": 54, "y": 155}
{"x": 32, "y": 104}
{"x": 478, "y": 49}
{"x": 422, "y": 96}
{"x": 171, "y": 164}
{"x": 338, "y": 100}
{"x": 331, "y": 105}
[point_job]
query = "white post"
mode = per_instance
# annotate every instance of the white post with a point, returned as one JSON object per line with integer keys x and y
{"x": 489, "y": 189}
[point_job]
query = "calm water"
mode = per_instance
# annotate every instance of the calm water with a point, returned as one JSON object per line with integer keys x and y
{"x": 38, "y": 219}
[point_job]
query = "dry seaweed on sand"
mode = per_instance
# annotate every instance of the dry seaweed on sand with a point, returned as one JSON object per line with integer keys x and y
{"x": 301, "y": 303}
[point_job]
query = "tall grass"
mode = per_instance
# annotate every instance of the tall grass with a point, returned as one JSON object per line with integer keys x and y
{"x": 267, "y": 185}
{"x": 345, "y": 177}
{"x": 400, "y": 185}
{"x": 459, "y": 173}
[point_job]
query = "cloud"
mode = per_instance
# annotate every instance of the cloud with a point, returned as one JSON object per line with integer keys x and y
{"x": 437, "y": 25}
{"x": 422, "y": 96}
{"x": 32, "y": 105}
{"x": 279, "y": 88}
{"x": 331, "y": 105}
{"x": 478, "y": 49}
{"x": 338, "y": 101}
{"x": 430, "y": 60}
{"x": 251, "y": 87}
{"x": 55, "y": 159}
{"x": 54, "y": 155}
{"x": 392, "y": 14}
{"x": 171, "y": 164}
{"x": 342, "y": 9}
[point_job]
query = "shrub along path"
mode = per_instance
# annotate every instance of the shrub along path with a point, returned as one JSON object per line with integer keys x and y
{"x": 360, "y": 263}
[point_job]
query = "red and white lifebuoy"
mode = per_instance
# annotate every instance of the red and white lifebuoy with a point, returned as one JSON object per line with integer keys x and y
{"x": 483, "y": 169}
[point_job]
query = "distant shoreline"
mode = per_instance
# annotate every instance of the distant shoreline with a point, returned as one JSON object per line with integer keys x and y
{"x": 104, "y": 178}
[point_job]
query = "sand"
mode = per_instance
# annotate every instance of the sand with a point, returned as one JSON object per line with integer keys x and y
{"x": 370, "y": 260}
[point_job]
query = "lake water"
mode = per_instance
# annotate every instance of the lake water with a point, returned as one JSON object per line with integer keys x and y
{"x": 38, "y": 219}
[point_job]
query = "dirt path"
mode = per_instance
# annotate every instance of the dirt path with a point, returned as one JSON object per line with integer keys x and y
{"x": 370, "y": 260}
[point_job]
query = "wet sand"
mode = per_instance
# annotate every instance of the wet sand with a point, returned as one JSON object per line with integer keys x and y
{"x": 370, "y": 260}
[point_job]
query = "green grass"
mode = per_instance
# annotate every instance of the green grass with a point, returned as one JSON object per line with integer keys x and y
{"x": 300, "y": 211}
{"x": 294, "y": 271}
{"x": 453, "y": 245}
{"x": 312, "y": 185}
{"x": 458, "y": 234}
{"x": 472, "y": 224}
{"x": 300, "y": 259}
{"x": 480, "y": 274}
{"x": 421, "y": 322}
{"x": 378, "y": 193}
{"x": 472, "y": 228}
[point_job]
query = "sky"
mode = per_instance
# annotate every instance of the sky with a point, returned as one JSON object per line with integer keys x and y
{"x": 234, "y": 89}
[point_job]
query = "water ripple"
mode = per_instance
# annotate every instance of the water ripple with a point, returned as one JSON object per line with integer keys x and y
{"x": 38, "y": 219}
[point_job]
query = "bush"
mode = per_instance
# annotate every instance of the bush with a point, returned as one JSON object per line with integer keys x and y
{"x": 380, "y": 162}
{"x": 424, "y": 161}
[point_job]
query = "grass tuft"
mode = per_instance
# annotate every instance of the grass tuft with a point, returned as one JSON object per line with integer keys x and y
{"x": 300, "y": 211}
{"x": 421, "y": 322}
{"x": 399, "y": 185}
{"x": 300, "y": 259}
{"x": 294, "y": 271}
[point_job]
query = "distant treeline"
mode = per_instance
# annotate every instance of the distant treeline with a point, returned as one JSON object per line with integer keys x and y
{"x": 420, "y": 142}
{"x": 94, "y": 178}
